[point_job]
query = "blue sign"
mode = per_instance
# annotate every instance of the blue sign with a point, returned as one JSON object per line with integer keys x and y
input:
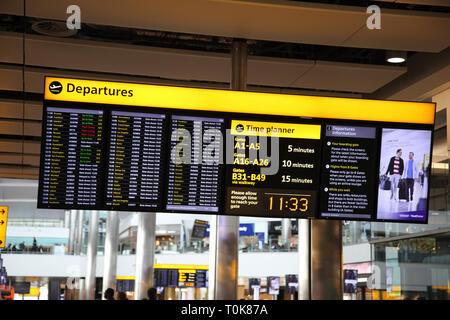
{"x": 247, "y": 229}
{"x": 260, "y": 236}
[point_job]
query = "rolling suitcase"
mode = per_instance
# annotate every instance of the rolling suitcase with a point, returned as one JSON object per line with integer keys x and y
{"x": 402, "y": 190}
{"x": 385, "y": 183}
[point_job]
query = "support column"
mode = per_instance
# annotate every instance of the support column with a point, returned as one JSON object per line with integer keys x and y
{"x": 79, "y": 233}
{"x": 82, "y": 292}
{"x": 110, "y": 257}
{"x": 224, "y": 230}
{"x": 286, "y": 232}
{"x": 72, "y": 223}
{"x": 304, "y": 256}
{"x": 145, "y": 254}
{"x": 91, "y": 255}
{"x": 326, "y": 260}
{"x": 66, "y": 218}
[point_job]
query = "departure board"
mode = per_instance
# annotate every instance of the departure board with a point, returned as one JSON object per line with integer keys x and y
{"x": 137, "y": 147}
{"x": 72, "y": 153}
{"x": 275, "y": 169}
{"x": 195, "y": 172}
{"x": 202, "y": 279}
{"x": 135, "y": 156}
{"x": 187, "y": 278}
{"x": 166, "y": 277}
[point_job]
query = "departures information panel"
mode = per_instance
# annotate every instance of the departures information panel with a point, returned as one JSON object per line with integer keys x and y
{"x": 275, "y": 169}
{"x": 194, "y": 173}
{"x": 137, "y": 147}
{"x": 135, "y": 160}
{"x": 71, "y": 160}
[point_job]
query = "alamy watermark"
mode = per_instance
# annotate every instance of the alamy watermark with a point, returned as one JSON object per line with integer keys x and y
{"x": 373, "y": 22}
{"x": 74, "y": 20}
{"x": 208, "y": 149}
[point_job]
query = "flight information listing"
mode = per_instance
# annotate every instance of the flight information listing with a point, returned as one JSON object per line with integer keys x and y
{"x": 274, "y": 170}
{"x": 349, "y": 155}
{"x": 72, "y": 154}
{"x": 195, "y": 171}
{"x": 135, "y": 160}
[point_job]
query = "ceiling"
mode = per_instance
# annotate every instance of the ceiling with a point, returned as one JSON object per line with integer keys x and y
{"x": 284, "y": 21}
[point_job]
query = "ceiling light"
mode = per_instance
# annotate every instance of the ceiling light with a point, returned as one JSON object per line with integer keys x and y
{"x": 396, "y": 56}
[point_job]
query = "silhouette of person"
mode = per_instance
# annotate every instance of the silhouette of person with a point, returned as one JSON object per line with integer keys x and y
{"x": 109, "y": 294}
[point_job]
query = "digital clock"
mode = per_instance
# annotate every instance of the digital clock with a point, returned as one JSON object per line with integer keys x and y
{"x": 287, "y": 202}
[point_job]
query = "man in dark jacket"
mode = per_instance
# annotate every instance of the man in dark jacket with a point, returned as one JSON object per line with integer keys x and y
{"x": 109, "y": 294}
{"x": 395, "y": 170}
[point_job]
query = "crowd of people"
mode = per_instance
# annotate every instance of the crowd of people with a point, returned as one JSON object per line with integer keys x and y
{"x": 152, "y": 294}
{"x": 22, "y": 248}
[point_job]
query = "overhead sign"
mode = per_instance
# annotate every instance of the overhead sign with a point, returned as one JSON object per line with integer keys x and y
{"x": 3, "y": 224}
{"x": 145, "y": 95}
{"x": 124, "y": 146}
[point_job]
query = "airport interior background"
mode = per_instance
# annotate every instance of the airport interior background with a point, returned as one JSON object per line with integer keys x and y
{"x": 323, "y": 49}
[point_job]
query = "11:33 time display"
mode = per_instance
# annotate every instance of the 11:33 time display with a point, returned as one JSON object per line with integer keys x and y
{"x": 292, "y": 203}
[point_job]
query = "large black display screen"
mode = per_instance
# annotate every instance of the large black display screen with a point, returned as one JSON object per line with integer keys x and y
{"x": 71, "y": 157}
{"x": 194, "y": 173}
{"x": 274, "y": 170}
{"x": 135, "y": 162}
{"x": 348, "y": 178}
{"x": 98, "y": 155}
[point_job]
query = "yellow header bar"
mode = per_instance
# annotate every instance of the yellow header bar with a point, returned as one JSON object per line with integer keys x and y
{"x": 281, "y": 130}
{"x": 133, "y": 94}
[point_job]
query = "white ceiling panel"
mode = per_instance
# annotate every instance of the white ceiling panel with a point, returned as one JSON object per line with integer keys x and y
{"x": 348, "y": 76}
{"x": 275, "y": 72}
{"x": 33, "y": 111}
{"x": 426, "y": 32}
{"x": 123, "y": 59}
{"x": 31, "y": 147}
{"x": 11, "y": 78}
{"x": 19, "y": 146}
{"x": 14, "y": 146}
{"x": 444, "y": 3}
{"x": 11, "y": 47}
{"x": 14, "y": 7}
{"x": 10, "y": 158}
{"x": 32, "y": 128}
{"x": 265, "y": 20}
{"x": 287, "y": 21}
{"x": 11, "y": 110}
{"x": 11, "y": 127}
{"x": 31, "y": 160}
{"x": 20, "y": 172}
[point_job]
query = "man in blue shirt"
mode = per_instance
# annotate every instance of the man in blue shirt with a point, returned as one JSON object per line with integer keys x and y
{"x": 410, "y": 174}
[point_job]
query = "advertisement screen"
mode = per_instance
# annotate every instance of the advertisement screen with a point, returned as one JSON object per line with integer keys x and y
{"x": 404, "y": 174}
{"x": 199, "y": 229}
{"x": 350, "y": 281}
{"x": 292, "y": 283}
{"x": 273, "y": 285}
{"x": 254, "y": 283}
